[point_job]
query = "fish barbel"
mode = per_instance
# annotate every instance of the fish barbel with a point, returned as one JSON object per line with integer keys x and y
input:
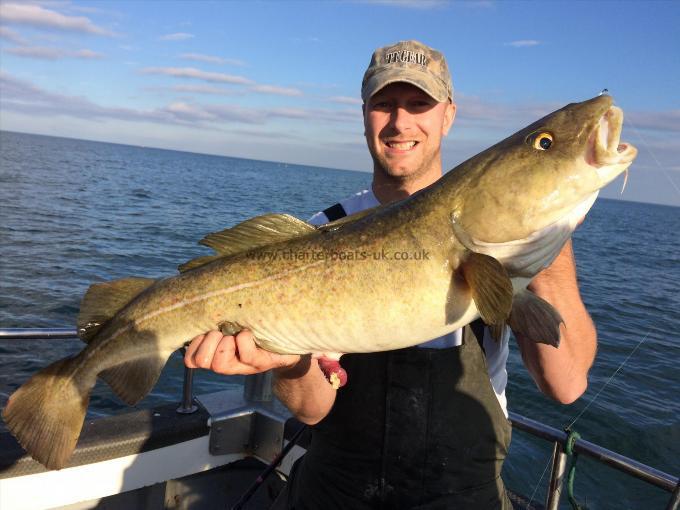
{"x": 388, "y": 278}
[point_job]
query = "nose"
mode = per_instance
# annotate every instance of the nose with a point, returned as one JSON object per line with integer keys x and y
{"x": 401, "y": 119}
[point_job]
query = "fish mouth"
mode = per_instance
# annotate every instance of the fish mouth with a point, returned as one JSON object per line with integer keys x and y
{"x": 605, "y": 151}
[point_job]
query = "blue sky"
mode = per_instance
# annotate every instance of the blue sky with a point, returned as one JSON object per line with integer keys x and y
{"x": 280, "y": 80}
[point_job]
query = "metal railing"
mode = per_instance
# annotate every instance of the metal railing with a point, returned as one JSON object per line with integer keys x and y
{"x": 258, "y": 388}
{"x": 615, "y": 460}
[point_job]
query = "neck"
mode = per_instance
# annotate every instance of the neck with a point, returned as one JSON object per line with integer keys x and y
{"x": 389, "y": 188}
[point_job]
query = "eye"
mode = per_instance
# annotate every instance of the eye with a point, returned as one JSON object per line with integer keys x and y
{"x": 380, "y": 105}
{"x": 541, "y": 141}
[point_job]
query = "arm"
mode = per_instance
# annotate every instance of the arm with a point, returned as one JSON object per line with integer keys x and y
{"x": 304, "y": 390}
{"x": 298, "y": 381}
{"x": 562, "y": 373}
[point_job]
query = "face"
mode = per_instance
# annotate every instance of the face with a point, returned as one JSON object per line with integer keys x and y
{"x": 404, "y": 127}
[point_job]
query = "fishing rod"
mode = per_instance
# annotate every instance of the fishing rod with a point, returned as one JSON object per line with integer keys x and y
{"x": 269, "y": 469}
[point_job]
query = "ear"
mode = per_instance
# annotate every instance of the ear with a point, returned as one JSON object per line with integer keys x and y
{"x": 449, "y": 116}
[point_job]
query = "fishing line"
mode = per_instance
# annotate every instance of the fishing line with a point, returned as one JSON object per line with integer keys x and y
{"x": 538, "y": 484}
{"x": 658, "y": 164}
{"x": 644, "y": 339}
{"x": 610, "y": 379}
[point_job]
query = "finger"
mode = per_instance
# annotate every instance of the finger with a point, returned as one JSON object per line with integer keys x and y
{"x": 204, "y": 354}
{"x": 224, "y": 360}
{"x": 246, "y": 350}
{"x": 191, "y": 350}
{"x": 256, "y": 358}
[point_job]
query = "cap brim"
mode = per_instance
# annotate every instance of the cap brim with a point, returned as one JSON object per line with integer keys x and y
{"x": 423, "y": 81}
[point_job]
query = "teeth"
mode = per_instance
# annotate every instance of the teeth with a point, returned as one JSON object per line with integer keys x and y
{"x": 403, "y": 146}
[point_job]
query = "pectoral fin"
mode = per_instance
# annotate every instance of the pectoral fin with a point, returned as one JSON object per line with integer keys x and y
{"x": 133, "y": 380}
{"x": 535, "y": 319}
{"x": 490, "y": 286}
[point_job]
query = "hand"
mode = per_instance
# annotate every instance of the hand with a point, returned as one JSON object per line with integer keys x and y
{"x": 232, "y": 355}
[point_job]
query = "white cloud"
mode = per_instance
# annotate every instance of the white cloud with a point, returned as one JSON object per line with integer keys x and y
{"x": 197, "y": 74}
{"x": 24, "y": 97}
{"x": 211, "y": 59}
{"x": 345, "y": 100}
{"x": 203, "y": 89}
{"x": 11, "y": 36}
{"x": 523, "y": 43}
{"x": 658, "y": 121}
{"x": 87, "y": 54}
{"x": 37, "y": 16}
{"x": 48, "y": 53}
{"x": 189, "y": 112}
{"x": 273, "y": 89}
{"x": 178, "y": 36}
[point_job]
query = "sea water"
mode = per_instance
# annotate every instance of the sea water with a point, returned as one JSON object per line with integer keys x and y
{"x": 74, "y": 212}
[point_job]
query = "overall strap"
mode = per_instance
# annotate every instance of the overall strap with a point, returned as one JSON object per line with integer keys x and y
{"x": 335, "y": 212}
{"x": 477, "y": 327}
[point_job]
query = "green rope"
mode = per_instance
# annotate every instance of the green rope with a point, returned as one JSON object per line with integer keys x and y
{"x": 572, "y": 436}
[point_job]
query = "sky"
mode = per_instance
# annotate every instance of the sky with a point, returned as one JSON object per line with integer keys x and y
{"x": 280, "y": 81}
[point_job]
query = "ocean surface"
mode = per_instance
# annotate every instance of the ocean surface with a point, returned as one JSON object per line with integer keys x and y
{"x": 74, "y": 212}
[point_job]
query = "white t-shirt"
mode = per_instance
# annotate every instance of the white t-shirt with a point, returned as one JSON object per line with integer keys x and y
{"x": 496, "y": 352}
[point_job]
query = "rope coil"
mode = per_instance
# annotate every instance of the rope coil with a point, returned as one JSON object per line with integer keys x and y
{"x": 572, "y": 436}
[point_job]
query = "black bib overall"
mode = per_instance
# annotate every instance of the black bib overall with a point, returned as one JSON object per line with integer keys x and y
{"x": 414, "y": 428}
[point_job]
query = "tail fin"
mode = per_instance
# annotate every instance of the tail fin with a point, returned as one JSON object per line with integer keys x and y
{"x": 47, "y": 413}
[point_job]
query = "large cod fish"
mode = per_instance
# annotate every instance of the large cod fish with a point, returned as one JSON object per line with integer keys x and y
{"x": 388, "y": 278}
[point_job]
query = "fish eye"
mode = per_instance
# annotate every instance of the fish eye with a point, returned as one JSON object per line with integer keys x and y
{"x": 541, "y": 141}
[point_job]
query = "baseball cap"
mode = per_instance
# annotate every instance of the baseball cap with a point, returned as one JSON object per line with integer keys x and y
{"x": 411, "y": 62}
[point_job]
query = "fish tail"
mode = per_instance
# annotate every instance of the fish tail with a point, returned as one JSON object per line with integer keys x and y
{"x": 47, "y": 413}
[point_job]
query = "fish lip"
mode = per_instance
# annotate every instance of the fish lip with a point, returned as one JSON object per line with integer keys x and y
{"x": 604, "y": 144}
{"x": 605, "y": 151}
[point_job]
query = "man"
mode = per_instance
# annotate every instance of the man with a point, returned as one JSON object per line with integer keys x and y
{"x": 426, "y": 426}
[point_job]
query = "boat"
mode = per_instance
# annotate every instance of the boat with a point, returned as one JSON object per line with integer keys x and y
{"x": 216, "y": 450}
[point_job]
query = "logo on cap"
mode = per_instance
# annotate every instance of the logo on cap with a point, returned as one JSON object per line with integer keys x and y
{"x": 406, "y": 56}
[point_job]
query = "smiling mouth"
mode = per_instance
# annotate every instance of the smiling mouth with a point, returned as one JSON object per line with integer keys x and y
{"x": 400, "y": 146}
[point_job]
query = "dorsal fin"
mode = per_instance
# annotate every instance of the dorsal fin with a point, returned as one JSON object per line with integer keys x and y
{"x": 104, "y": 300}
{"x": 253, "y": 233}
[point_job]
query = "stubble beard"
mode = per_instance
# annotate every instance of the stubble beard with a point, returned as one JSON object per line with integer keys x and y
{"x": 382, "y": 166}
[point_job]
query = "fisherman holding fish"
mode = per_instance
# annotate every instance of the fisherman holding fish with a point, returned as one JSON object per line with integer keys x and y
{"x": 424, "y": 426}
{"x": 421, "y": 419}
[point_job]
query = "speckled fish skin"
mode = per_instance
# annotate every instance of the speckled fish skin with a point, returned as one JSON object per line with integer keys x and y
{"x": 505, "y": 194}
{"x": 346, "y": 289}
